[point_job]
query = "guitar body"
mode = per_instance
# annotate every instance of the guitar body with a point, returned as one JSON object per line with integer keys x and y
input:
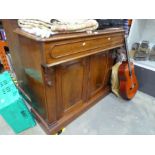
{"x": 128, "y": 84}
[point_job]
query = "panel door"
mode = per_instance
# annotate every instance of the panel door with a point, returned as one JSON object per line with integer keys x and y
{"x": 71, "y": 85}
{"x": 97, "y": 73}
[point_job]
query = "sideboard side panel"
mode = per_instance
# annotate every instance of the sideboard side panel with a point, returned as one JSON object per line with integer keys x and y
{"x": 32, "y": 80}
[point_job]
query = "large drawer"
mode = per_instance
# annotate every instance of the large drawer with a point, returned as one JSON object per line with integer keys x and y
{"x": 83, "y": 46}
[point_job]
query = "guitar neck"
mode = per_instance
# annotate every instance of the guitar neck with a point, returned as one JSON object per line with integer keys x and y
{"x": 127, "y": 55}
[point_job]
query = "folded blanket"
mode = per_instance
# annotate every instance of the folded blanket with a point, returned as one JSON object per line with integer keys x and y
{"x": 46, "y": 28}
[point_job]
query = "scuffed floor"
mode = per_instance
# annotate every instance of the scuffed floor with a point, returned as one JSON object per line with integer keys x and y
{"x": 111, "y": 115}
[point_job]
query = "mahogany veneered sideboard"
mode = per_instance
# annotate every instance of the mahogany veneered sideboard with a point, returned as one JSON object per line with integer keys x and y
{"x": 65, "y": 74}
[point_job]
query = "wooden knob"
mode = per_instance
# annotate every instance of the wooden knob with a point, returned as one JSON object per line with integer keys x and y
{"x": 83, "y": 44}
{"x": 109, "y": 38}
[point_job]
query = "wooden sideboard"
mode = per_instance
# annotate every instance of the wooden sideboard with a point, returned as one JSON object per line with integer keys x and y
{"x": 66, "y": 74}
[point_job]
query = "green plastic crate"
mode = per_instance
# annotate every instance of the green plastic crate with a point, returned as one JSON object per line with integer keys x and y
{"x": 8, "y": 91}
{"x": 7, "y": 86}
{"x": 12, "y": 106}
{"x": 18, "y": 116}
{"x": 5, "y": 76}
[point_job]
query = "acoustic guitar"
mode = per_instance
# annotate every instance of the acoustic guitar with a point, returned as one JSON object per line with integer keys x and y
{"x": 127, "y": 78}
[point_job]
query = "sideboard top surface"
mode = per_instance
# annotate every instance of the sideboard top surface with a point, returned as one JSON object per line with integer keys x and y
{"x": 65, "y": 36}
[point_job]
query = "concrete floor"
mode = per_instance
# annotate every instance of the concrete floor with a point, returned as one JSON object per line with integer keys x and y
{"x": 111, "y": 115}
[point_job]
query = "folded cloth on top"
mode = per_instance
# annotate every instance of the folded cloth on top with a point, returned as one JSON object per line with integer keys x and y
{"x": 46, "y": 28}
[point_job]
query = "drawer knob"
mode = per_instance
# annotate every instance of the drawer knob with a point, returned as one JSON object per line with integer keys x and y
{"x": 109, "y": 38}
{"x": 83, "y": 44}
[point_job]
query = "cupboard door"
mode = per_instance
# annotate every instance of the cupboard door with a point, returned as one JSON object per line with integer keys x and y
{"x": 71, "y": 85}
{"x": 97, "y": 73}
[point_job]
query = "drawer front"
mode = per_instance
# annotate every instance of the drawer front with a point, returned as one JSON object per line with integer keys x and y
{"x": 64, "y": 49}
